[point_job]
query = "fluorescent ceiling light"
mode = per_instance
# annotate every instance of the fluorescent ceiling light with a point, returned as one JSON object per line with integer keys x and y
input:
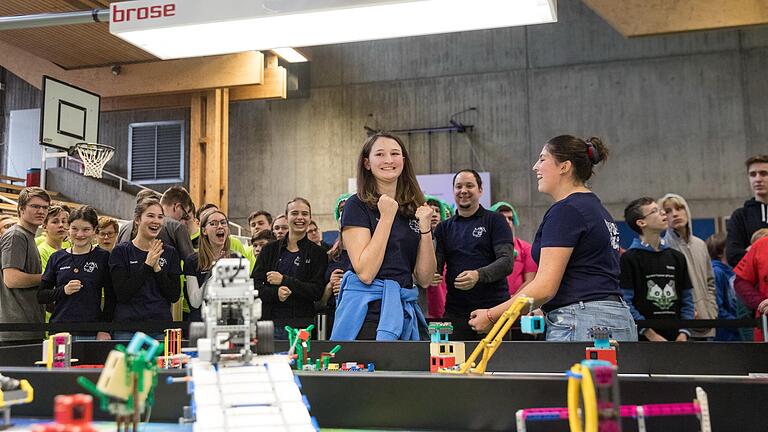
{"x": 290, "y": 55}
{"x": 190, "y": 28}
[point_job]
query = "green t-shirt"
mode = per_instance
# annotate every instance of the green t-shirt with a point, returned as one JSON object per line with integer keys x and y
{"x": 236, "y": 245}
{"x": 46, "y": 251}
{"x": 41, "y": 240}
{"x": 250, "y": 257}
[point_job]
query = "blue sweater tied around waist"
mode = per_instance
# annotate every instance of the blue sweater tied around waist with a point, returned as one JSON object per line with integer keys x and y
{"x": 400, "y": 312}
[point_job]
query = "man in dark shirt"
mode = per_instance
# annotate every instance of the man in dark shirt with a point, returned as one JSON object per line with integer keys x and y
{"x": 754, "y": 215}
{"x": 476, "y": 246}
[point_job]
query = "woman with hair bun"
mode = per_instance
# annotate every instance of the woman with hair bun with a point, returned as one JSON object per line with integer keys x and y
{"x": 576, "y": 248}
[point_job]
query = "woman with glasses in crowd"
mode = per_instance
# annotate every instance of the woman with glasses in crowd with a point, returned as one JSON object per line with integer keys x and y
{"x": 214, "y": 244}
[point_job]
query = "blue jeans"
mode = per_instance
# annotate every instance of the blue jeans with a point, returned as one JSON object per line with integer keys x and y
{"x": 572, "y": 323}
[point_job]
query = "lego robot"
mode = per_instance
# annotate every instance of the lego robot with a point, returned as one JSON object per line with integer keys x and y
{"x": 231, "y": 310}
{"x": 235, "y": 384}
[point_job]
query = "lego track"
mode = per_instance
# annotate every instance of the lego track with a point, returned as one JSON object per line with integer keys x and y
{"x": 402, "y": 395}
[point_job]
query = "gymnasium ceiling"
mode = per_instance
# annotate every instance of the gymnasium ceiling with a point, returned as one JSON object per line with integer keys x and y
{"x": 91, "y": 45}
{"x": 72, "y": 46}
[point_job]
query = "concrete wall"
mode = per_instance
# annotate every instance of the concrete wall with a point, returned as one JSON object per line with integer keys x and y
{"x": 679, "y": 113}
{"x": 106, "y": 199}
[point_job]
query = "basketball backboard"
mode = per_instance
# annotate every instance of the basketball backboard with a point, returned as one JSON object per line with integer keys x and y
{"x": 69, "y": 115}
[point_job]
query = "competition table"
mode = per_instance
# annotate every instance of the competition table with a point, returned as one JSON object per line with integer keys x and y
{"x": 402, "y": 395}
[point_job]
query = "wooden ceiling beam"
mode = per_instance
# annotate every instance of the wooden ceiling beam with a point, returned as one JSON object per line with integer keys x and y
{"x": 171, "y": 76}
{"x": 130, "y": 103}
{"x": 275, "y": 86}
{"x": 633, "y": 18}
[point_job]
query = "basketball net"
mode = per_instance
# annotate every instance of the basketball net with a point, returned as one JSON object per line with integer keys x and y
{"x": 94, "y": 157}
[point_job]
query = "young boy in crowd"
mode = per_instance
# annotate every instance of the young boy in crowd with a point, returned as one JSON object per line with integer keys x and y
{"x": 654, "y": 277}
{"x": 728, "y": 306}
{"x": 260, "y": 239}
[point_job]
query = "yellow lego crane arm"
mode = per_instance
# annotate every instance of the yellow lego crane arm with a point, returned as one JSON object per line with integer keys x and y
{"x": 490, "y": 343}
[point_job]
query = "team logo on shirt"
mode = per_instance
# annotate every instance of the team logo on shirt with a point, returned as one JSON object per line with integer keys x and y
{"x": 662, "y": 298}
{"x": 90, "y": 267}
{"x": 162, "y": 262}
{"x": 613, "y": 230}
{"x": 297, "y": 261}
{"x": 478, "y": 232}
{"x": 414, "y": 224}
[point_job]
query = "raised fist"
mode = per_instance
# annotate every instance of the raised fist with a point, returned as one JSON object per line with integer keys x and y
{"x": 387, "y": 206}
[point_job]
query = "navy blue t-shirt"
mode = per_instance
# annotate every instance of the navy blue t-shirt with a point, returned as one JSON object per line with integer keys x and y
{"x": 147, "y": 304}
{"x": 402, "y": 246}
{"x": 92, "y": 270}
{"x": 467, "y": 244}
{"x": 289, "y": 262}
{"x": 580, "y": 221}
{"x": 342, "y": 263}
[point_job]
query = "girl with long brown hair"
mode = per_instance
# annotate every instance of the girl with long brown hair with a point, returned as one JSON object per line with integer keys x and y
{"x": 214, "y": 245}
{"x": 387, "y": 233}
{"x": 145, "y": 272}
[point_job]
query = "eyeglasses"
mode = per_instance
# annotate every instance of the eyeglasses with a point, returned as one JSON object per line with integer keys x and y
{"x": 107, "y": 234}
{"x": 215, "y": 223}
{"x": 186, "y": 215}
{"x": 38, "y": 207}
{"x": 656, "y": 210}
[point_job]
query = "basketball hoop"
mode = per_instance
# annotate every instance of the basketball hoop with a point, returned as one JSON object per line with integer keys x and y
{"x": 94, "y": 156}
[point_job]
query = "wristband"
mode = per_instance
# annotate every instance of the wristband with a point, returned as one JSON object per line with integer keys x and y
{"x": 488, "y": 315}
{"x": 425, "y": 232}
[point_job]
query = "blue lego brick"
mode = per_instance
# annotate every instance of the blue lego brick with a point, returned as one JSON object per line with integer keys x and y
{"x": 532, "y": 324}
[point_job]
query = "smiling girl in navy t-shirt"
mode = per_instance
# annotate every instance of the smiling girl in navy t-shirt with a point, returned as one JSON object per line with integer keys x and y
{"x": 388, "y": 235}
{"x": 145, "y": 272}
{"x": 576, "y": 248}
{"x": 74, "y": 278}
